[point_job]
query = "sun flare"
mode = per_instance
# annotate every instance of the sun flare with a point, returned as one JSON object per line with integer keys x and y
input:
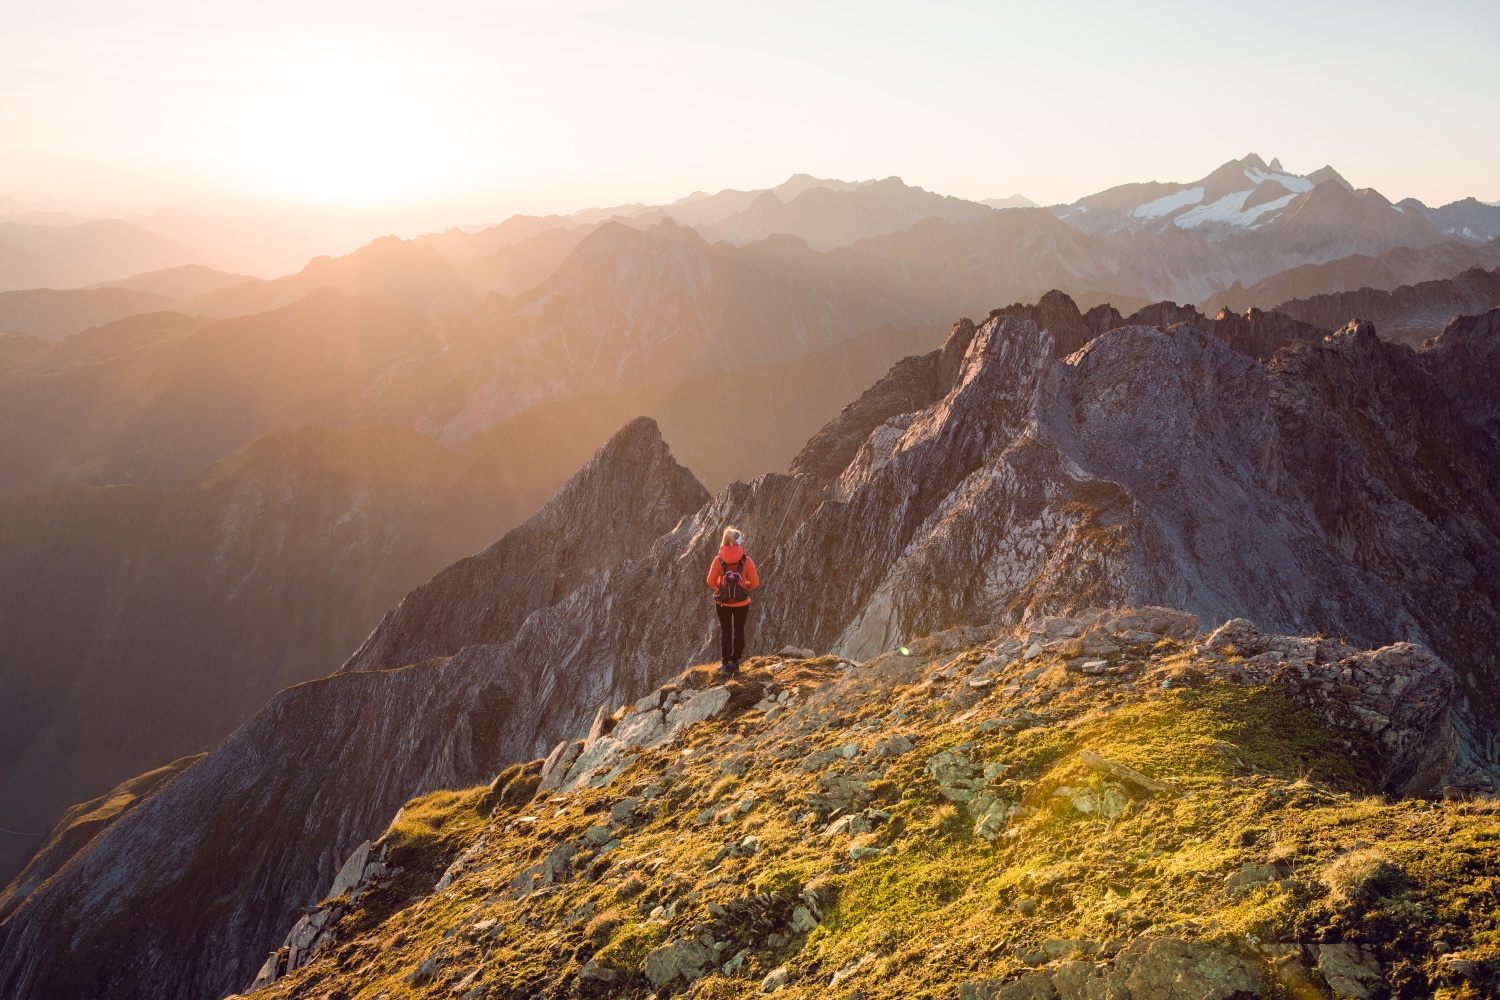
{"x": 338, "y": 127}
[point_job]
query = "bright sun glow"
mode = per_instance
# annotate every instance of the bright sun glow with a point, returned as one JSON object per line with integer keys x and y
{"x": 336, "y": 127}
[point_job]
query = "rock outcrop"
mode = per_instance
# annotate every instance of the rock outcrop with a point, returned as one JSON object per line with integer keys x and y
{"x": 987, "y": 484}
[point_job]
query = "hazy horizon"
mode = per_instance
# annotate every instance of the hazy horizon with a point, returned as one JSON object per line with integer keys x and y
{"x": 460, "y": 114}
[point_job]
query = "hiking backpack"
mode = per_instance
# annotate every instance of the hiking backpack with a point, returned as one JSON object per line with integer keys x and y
{"x": 732, "y": 590}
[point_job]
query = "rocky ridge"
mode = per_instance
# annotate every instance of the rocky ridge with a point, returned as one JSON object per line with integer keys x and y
{"x": 1408, "y": 314}
{"x": 1256, "y": 333}
{"x": 1154, "y": 466}
{"x": 1112, "y": 803}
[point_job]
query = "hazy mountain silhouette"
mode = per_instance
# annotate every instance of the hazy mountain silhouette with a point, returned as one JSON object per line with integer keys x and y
{"x": 52, "y": 314}
{"x": 463, "y": 246}
{"x": 182, "y": 282}
{"x": 1401, "y": 266}
{"x": 405, "y": 273}
{"x": 825, "y": 217}
{"x": 1468, "y": 218}
{"x": 35, "y": 256}
{"x": 1408, "y": 314}
{"x": 153, "y": 399}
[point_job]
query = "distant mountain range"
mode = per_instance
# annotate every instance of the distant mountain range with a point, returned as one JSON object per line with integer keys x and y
{"x": 40, "y": 256}
{"x": 1408, "y": 314}
{"x": 1401, "y": 266}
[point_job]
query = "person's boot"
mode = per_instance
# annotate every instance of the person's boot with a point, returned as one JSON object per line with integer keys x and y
{"x": 726, "y": 667}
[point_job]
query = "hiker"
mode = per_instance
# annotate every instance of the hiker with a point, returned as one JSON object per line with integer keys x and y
{"x": 732, "y": 576}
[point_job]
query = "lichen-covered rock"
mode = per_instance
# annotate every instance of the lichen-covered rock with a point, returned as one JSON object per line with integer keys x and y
{"x": 1350, "y": 971}
{"x": 1172, "y": 969}
{"x": 686, "y": 959}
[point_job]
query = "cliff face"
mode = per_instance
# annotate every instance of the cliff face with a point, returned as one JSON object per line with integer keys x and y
{"x": 986, "y": 483}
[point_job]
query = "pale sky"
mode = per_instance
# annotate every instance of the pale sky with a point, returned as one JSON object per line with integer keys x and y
{"x": 480, "y": 109}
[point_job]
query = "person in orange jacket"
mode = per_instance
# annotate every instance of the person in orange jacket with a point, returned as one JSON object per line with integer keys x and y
{"x": 732, "y": 576}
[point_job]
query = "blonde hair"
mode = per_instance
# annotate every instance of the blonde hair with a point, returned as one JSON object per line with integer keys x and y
{"x": 732, "y": 536}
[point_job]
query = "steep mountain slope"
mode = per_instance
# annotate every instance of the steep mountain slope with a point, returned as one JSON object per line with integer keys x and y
{"x": 1408, "y": 314}
{"x": 375, "y": 714}
{"x": 1151, "y": 467}
{"x": 81, "y": 824}
{"x": 140, "y": 625}
{"x": 171, "y": 398}
{"x": 39, "y": 256}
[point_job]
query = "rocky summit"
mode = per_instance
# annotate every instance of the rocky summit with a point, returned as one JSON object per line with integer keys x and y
{"x": 1342, "y": 495}
{"x": 1112, "y": 804}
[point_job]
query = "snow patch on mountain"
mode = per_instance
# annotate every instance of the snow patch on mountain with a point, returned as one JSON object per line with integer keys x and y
{"x": 1169, "y": 203}
{"x": 1231, "y": 210}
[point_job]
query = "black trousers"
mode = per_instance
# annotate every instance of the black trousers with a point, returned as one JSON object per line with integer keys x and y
{"x": 732, "y": 631}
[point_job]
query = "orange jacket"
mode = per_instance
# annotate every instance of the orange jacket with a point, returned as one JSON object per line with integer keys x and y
{"x": 731, "y": 554}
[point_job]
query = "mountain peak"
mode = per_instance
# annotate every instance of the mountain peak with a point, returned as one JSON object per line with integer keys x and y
{"x": 1327, "y": 173}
